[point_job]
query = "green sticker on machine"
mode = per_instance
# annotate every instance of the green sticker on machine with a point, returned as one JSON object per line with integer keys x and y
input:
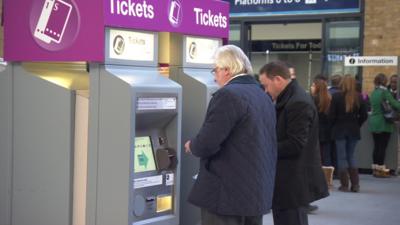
{"x": 144, "y": 156}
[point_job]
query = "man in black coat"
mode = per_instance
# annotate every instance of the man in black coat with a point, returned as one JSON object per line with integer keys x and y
{"x": 236, "y": 145}
{"x": 299, "y": 177}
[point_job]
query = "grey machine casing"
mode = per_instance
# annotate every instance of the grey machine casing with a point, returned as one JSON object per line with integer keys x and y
{"x": 198, "y": 85}
{"x": 115, "y": 121}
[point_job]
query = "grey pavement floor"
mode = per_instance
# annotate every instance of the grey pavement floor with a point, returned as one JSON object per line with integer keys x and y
{"x": 377, "y": 203}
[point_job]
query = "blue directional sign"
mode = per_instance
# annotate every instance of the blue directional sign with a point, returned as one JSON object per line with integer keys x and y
{"x": 244, "y": 8}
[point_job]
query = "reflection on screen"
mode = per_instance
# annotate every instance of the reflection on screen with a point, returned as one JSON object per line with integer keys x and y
{"x": 144, "y": 157}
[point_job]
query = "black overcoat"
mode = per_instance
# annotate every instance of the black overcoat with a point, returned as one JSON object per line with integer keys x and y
{"x": 346, "y": 124}
{"x": 299, "y": 178}
{"x": 237, "y": 147}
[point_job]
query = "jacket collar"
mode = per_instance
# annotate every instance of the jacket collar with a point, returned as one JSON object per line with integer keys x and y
{"x": 243, "y": 79}
{"x": 285, "y": 95}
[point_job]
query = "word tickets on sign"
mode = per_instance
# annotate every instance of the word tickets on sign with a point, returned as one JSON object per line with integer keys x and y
{"x": 135, "y": 9}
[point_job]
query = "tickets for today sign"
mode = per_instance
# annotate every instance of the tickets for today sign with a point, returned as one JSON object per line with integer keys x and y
{"x": 73, "y": 30}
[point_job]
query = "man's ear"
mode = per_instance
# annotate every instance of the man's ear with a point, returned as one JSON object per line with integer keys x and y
{"x": 227, "y": 72}
{"x": 279, "y": 78}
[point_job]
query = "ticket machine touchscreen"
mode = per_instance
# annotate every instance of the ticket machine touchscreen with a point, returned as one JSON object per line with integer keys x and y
{"x": 144, "y": 155}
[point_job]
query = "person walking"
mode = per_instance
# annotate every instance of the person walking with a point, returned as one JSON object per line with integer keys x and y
{"x": 299, "y": 176}
{"x": 380, "y": 128}
{"x": 347, "y": 112}
{"x": 237, "y": 147}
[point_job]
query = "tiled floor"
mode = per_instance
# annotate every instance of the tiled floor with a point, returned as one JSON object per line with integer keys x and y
{"x": 378, "y": 203}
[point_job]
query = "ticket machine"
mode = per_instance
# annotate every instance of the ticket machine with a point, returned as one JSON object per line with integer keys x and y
{"x": 37, "y": 129}
{"x": 191, "y": 65}
{"x": 5, "y": 141}
{"x": 134, "y": 135}
{"x": 116, "y": 161}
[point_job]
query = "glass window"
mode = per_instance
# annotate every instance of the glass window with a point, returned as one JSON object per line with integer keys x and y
{"x": 299, "y": 44}
{"x": 234, "y": 34}
{"x": 342, "y": 39}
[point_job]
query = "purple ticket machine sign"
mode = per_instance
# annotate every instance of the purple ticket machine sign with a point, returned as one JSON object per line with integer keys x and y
{"x": 72, "y": 30}
{"x": 53, "y": 30}
{"x": 209, "y": 18}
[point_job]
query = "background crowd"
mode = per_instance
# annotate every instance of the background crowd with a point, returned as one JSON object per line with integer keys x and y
{"x": 270, "y": 147}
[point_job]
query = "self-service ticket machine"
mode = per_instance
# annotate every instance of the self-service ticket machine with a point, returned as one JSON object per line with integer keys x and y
{"x": 129, "y": 174}
{"x": 191, "y": 65}
{"x": 134, "y": 135}
{"x": 133, "y": 117}
{"x": 5, "y": 141}
{"x": 37, "y": 129}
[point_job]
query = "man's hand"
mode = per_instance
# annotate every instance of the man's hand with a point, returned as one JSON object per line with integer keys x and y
{"x": 187, "y": 147}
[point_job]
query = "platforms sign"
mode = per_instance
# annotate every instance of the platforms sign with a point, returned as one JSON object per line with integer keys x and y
{"x": 291, "y": 7}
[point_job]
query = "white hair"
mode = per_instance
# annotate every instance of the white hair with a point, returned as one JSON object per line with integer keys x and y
{"x": 233, "y": 58}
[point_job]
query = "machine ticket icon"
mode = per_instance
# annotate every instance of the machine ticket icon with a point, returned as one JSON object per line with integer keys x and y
{"x": 53, "y": 20}
{"x": 143, "y": 160}
{"x": 175, "y": 13}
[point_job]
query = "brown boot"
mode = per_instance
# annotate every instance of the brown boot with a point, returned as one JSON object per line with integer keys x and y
{"x": 355, "y": 181}
{"x": 328, "y": 172}
{"x": 382, "y": 172}
{"x": 344, "y": 180}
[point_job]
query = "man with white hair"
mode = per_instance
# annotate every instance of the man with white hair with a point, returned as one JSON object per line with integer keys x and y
{"x": 236, "y": 145}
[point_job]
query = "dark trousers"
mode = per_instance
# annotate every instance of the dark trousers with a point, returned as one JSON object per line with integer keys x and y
{"x": 326, "y": 153}
{"x": 334, "y": 156}
{"x": 210, "y": 218}
{"x": 296, "y": 216}
{"x": 380, "y": 143}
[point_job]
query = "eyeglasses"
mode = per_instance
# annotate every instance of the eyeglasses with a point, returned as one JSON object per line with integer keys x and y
{"x": 214, "y": 70}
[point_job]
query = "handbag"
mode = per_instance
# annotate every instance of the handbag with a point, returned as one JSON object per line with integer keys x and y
{"x": 389, "y": 113}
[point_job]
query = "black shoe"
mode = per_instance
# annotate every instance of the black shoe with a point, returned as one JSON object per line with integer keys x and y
{"x": 312, "y": 208}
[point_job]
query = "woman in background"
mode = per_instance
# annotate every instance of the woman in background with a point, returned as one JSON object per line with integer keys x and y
{"x": 347, "y": 112}
{"x": 378, "y": 126}
{"x": 322, "y": 100}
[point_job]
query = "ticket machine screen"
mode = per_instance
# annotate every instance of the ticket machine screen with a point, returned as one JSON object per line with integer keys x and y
{"x": 144, "y": 156}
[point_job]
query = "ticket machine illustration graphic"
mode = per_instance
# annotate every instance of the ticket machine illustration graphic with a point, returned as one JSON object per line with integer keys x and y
{"x": 53, "y": 20}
